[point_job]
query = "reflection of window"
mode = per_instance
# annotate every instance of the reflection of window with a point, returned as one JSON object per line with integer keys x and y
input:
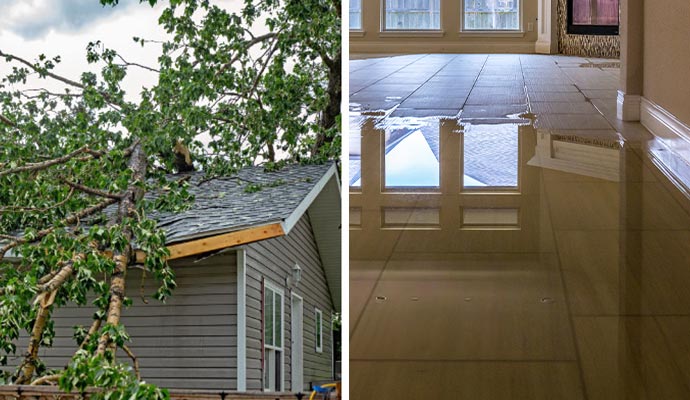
{"x": 355, "y": 14}
{"x": 273, "y": 338}
{"x": 412, "y": 15}
{"x": 411, "y": 159}
{"x": 411, "y": 217}
{"x": 319, "y": 331}
{"x": 490, "y": 217}
{"x": 491, "y": 15}
{"x": 595, "y": 17}
{"x": 355, "y": 217}
{"x": 490, "y": 156}
{"x": 355, "y": 153}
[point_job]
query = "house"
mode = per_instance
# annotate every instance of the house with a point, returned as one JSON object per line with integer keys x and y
{"x": 258, "y": 275}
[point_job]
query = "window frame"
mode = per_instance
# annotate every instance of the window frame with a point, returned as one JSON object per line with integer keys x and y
{"x": 361, "y": 19}
{"x": 405, "y": 189}
{"x": 601, "y": 30}
{"x": 411, "y": 32}
{"x": 272, "y": 347}
{"x": 318, "y": 330}
{"x": 519, "y": 32}
{"x": 510, "y": 190}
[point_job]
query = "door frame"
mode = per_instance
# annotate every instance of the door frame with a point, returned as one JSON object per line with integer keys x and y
{"x": 296, "y": 343}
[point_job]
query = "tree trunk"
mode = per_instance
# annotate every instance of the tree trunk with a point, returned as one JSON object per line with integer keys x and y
{"x": 329, "y": 116}
{"x": 127, "y": 208}
{"x": 26, "y": 371}
{"x": 45, "y": 301}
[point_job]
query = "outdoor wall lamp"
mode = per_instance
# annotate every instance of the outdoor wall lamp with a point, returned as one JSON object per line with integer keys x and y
{"x": 294, "y": 279}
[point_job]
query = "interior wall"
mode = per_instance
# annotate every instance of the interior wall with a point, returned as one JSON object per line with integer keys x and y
{"x": 605, "y": 46}
{"x": 372, "y": 40}
{"x": 667, "y": 56}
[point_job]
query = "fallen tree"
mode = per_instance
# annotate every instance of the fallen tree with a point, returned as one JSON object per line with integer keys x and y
{"x": 77, "y": 162}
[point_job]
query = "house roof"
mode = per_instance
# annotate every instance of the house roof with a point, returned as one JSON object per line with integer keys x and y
{"x": 226, "y": 213}
{"x": 226, "y": 204}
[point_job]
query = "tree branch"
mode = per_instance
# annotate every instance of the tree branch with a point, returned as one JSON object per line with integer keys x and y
{"x": 60, "y": 277}
{"x": 49, "y": 163}
{"x": 127, "y": 64}
{"x": 42, "y": 71}
{"x": 249, "y": 43}
{"x": 134, "y": 360}
{"x": 8, "y": 237}
{"x": 26, "y": 370}
{"x": 95, "y": 326}
{"x": 36, "y": 209}
{"x": 90, "y": 190}
{"x": 126, "y": 209}
{"x": 6, "y": 121}
{"x": 45, "y": 379}
{"x": 45, "y": 72}
{"x": 72, "y": 219}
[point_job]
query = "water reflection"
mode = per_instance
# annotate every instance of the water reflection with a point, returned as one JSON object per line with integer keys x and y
{"x": 412, "y": 159}
{"x": 555, "y": 257}
{"x": 490, "y": 154}
{"x": 411, "y": 148}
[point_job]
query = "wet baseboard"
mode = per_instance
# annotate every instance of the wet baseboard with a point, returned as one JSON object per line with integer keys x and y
{"x": 628, "y": 107}
{"x": 662, "y": 123}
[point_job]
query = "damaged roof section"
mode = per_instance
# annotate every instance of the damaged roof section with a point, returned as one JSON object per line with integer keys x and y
{"x": 251, "y": 198}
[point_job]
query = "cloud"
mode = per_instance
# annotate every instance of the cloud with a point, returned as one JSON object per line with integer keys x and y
{"x": 34, "y": 19}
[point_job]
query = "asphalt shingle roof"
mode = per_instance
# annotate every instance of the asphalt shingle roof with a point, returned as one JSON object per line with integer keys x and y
{"x": 223, "y": 204}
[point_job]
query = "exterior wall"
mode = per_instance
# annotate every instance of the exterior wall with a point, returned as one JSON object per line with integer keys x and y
{"x": 273, "y": 261}
{"x": 666, "y": 56}
{"x": 187, "y": 343}
{"x": 605, "y": 46}
{"x": 372, "y": 40}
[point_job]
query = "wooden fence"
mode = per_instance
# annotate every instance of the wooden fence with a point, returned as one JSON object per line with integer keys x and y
{"x": 26, "y": 392}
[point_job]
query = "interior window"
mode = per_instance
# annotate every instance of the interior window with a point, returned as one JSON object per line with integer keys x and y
{"x": 413, "y": 14}
{"x": 355, "y": 14}
{"x": 491, "y": 15}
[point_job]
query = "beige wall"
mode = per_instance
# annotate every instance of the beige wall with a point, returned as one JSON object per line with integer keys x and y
{"x": 667, "y": 56}
{"x": 373, "y": 41}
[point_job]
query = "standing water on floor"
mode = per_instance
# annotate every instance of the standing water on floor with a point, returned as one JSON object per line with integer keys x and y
{"x": 526, "y": 250}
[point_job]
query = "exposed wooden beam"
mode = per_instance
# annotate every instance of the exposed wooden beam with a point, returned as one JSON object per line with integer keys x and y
{"x": 219, "y": 242}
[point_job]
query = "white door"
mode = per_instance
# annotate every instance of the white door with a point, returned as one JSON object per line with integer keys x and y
{"x": 297, "y": 349}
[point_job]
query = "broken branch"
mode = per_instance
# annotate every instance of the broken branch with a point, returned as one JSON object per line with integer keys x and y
{"x": 45, "y": 164}
{"x": 134, "y": 360}
{"x": 89, "y": 190}
{"x": 72, "y": 219}
{"x": 45, "y": 379}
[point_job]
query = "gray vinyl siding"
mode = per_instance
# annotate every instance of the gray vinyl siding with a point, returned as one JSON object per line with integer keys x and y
{"x": 273, "y": 261}
{"x": 189, "y": 342}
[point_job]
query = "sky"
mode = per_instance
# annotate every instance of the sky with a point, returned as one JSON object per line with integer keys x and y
{"x": 65, "y": 27}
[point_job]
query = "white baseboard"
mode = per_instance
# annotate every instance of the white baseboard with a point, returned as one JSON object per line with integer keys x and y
{"x": 417, "y": 47}
{"x": 544, "y": 47}
{"x": 628, "y": 107}
{"x": 662, "y": 123}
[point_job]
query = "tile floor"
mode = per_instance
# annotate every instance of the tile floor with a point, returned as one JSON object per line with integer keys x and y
{"x": 567, "y": 278}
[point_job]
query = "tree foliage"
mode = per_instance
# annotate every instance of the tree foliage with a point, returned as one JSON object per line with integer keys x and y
{"x": 76, "y": 163}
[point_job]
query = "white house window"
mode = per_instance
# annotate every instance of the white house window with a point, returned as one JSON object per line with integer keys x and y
{"x": 355, "y": 14}
{"x": 273, "y": 338}
{"x": 412, "y": 15}
{"x": 491, "y": 15}
{"x": 319, "y": 331}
